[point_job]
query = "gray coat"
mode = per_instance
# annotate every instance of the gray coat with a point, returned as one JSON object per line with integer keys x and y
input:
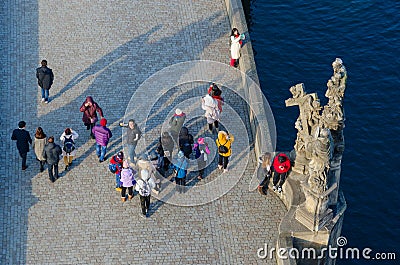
{"x": 176, "y": 122}
{"x": 52, "y": 153}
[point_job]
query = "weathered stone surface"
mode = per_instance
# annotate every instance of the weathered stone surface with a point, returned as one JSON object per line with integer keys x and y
{"x": 316, "y": 150}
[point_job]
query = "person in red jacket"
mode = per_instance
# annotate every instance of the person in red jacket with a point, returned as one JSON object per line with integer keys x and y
{"x": 280, "y": 167}
{"x": 118, "y": 160}
{"x": 215, "y": 92}
{"x": 89, "y": 109}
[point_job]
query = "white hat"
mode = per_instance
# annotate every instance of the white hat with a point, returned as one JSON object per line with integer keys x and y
{"x": 145, "y": 174}
{"x": 178, "y": 111}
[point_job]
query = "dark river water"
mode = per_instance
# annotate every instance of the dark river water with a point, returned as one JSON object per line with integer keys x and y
{"x": 296, "y": 42}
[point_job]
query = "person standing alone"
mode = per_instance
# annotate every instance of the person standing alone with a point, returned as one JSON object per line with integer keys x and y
{"x": 52, "y": 154}
{"x": 23, "y": 140}
{"x": 45, "y": 79}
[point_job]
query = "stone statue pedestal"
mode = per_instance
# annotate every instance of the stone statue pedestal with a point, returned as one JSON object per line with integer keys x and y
{"x": 314, "y": 212}
{"x": 300, "y": 165}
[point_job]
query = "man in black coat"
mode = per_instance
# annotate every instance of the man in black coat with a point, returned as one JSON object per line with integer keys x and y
{"x": 23, "y": 140}
{"x": 45, "y": 79}
{"x": 52, "y": 154}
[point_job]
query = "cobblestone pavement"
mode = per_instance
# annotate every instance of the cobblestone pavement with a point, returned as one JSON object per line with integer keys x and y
{"x": 107, "y": 49}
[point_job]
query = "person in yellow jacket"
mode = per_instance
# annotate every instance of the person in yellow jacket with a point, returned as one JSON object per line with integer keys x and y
{"x": 224, "y": 145}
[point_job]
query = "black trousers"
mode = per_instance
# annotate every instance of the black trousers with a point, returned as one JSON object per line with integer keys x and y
{"x": 223, "y": 161}
{"x": 123, "y": 191}
{"x": 180, "y": 184}
{"x": 42, "y": 165}
{"x": 144, "y": 203}
{"x": 210, "y": 125}
{"x": 279, "y": 178}
{"x": 264, "y": 183}
{"x": 50, "y": 168}
{"x": 23, "y": 156}
{"x": 89, "y": 126}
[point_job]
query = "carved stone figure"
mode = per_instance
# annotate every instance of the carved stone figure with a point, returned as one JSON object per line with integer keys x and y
{"x": 320, "y": 149}
{"x": 319, "y": 146}
{"x": 333, "y": 114}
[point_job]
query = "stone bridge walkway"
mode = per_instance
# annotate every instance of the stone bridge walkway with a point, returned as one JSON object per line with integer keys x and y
{"x": 106, "y": 50}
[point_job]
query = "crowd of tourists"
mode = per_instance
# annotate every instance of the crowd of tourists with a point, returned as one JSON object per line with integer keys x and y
{"x": 146, "y": 172}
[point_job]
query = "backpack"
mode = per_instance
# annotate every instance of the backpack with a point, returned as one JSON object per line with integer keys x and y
{"x": 222, "y": 148}
{"x": 69, "y": 145}
{"x": 144, "y": 190}
{"x": 112, "y": 167}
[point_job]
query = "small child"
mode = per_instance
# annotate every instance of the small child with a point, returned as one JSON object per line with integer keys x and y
{"x": 117, "y": 161}
{"x": 127, "y": 181}
{"x": 144, "y": 186}
{"x": 201, "y": 155}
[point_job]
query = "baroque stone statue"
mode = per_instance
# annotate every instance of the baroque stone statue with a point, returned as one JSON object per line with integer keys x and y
{"x": 319, "y": 146}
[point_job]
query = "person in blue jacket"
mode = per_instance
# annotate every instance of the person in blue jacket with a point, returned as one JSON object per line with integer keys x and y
{"x": 180, "y": 167}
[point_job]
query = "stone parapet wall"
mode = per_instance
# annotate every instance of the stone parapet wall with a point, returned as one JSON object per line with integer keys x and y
{"x": 263, "y": 134}
{"x": 292, "y": 234}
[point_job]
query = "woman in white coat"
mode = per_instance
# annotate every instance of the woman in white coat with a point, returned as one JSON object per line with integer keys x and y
{"x": 210, "y": 105}
{"x": 67, "y": 139}
{"x": 236, "y": 44}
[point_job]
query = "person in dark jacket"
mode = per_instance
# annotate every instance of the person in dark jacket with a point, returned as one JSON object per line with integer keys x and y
{"x": 264, "y": 171}
{"x": 90, "y": 109}
{"x": 133, "y": 135}
{"x": 23, "y": 140}
{"x": 45, "y": 79}
{"x": 165, "y": 148}
{"x": 52, "y": 153}
{"x": 280, "y": 167}
{"x": 102, "y": 135}
{"x": 185, "y": 142}
{"x": 201, "y": 154}
{"x": 176, "y": 122}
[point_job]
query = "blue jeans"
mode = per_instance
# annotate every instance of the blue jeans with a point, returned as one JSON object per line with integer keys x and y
{"x": 117, "y": 180}
{"x": 101, "y": 151}
{"x": 131, "y": 151}
{"x": 45, "y": 94}
{"x": 52, "y": 176}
